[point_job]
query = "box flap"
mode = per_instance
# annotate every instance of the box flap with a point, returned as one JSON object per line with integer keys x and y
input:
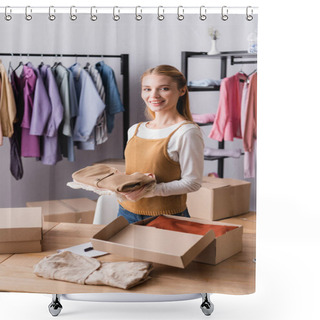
{"x": 215, "y": 183}
{"x": 19, "y": 224}
{"x": 151, "y": 244}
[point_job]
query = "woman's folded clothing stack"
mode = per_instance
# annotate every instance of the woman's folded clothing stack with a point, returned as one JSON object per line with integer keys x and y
{"x": 101, "y": 178}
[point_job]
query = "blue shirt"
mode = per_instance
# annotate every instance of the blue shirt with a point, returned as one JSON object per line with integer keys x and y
{"x": 90, "y": 105}
{"x": 113, "y": 101}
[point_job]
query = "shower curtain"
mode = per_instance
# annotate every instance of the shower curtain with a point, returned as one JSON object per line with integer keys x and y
{"x": 148, "y": 42}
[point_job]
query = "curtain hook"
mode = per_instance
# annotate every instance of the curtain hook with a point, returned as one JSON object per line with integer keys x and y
{"x": 52, "y": 16}
{"x": 138, "y": 16}
{"x": 249, "y": 17}
{"x": 203, "y": 15}
{"x": 160, "y": 16}
{"x": 73, "y": 17}
{"x": 224, "y": 16}
{"x": 180, "y": 15}
{"x": 93, "y": 17}
{"x": 28, "y": 16}
{"x": 116, "y": 17}
{"x": 7, "y": 16}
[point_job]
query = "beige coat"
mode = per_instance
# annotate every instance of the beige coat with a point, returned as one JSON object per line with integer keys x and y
{"x": 7, "y": 105}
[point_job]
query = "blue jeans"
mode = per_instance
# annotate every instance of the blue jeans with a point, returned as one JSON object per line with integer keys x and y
{"x": 133, "y": 217}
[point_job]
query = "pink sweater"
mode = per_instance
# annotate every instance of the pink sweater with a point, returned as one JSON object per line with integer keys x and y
{"x": 227, "y": 124}
{"x": 250, "y": 129}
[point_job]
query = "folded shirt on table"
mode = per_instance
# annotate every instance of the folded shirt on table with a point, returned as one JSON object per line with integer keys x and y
{"x": 68, "y": 266}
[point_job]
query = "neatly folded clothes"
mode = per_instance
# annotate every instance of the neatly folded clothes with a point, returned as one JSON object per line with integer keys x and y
{"x": 100, "y": 178}
{"x": 68, "y": 266}
{"x": 204, "y": 83}
{"x": 204, "y": 117}
{"x": 162, "y": 222}
{"x": 222, "y": 152}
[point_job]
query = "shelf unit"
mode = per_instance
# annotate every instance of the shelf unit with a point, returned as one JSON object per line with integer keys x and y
{"x": 235, "y": 57}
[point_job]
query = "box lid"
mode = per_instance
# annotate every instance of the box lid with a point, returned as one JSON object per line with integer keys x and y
{"x": 216, "y": 183}
{"x": 20, "y": 224}
{"x": 136, "y": 241}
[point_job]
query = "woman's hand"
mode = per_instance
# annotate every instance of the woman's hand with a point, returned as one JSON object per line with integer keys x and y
{"x": 136, "y": 194}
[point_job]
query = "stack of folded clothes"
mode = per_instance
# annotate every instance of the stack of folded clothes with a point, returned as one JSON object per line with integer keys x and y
{"x": 102, "y": 179}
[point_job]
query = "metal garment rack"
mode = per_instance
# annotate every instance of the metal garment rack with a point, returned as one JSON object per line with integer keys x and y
{"x": 223, "y": 56}
{"x": 124, "y": 70}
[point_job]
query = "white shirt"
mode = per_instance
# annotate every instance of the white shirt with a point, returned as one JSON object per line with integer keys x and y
{"x": 186, "y": 147}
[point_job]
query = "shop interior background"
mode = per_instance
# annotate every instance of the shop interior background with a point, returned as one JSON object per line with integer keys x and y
{"x": 148, "y": 42}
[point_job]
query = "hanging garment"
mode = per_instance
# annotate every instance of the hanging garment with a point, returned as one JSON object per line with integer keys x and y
{"x": 100, "y": 131}
{"x": 41, "y": 106}
{"x": 51, "y": 148}
{"x": 16, "y": 166}
{"x": 227, "y": 122}
{"x": 90, "y": 107}
{"x": 61, "y": 75}
{"x": 250, "y": 127}
{"x": 74, "y": 111}
{"x": 30, "y": 144}
{"x": 113, "y": 101}
{"x": 7, "y": 105}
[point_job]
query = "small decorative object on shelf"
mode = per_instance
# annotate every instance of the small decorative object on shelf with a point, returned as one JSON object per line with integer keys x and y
{"x": 214, "y": 34}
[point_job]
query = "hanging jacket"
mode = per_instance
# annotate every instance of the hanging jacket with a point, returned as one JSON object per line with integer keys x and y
{"x": 7, "y": 105}
{"x": 90, "y": 106}
{"x": 113, "y": 101}
{"x": 227, "y": 124}
{"x": 51, "y": 149}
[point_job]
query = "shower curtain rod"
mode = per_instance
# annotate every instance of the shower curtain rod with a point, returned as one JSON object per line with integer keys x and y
{"x": 61, "y": 55}
{"x": 137, "y": 10}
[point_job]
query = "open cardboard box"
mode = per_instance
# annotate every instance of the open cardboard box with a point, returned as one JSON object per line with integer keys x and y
{"x": 167, "y": 247}
{"x": 219, "y": 198}
{"x": 20, "y": 230}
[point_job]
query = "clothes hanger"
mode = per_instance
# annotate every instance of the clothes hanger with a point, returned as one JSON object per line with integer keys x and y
{"x": 20, "y": 64}
{"x": 41, "y": 63}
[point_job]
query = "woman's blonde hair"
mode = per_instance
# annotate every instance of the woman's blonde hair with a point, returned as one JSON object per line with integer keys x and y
{"x": 183, "y": 105}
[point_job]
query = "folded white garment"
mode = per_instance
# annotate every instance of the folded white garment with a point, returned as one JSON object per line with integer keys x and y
{"x": 222, "y": 152}
{"x": 204, "y": 83}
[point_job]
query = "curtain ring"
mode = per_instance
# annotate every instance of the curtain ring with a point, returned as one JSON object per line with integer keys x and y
{"x": 93, "y": 17}
{"x": 116, "y": 17}
{"x": 73, "y": 17}
{"x": 224, "y": 16}
{"x": 160, "y": 16}
{"x": 203, "y": 15}
{"x": 7, "y": 16}
{"x": 138, "y": 16}
{"x": 180, "y": 15}
{"x": 249, "y": 17}
{"x": 28, "y": 16}
{"x": 51, "y": 16}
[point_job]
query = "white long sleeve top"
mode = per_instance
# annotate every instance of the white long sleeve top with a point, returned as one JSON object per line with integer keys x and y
{"x": 186, "y": 147}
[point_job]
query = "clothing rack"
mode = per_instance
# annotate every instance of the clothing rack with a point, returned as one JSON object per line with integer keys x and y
{"x": 124, "y": 70}
{"x": 242, "y": 58}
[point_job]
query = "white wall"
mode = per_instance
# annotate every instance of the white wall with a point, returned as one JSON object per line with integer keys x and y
{"x": 149, "y": 43}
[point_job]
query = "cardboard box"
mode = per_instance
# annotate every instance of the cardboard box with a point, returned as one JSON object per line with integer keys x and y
{"x": 115, "y": 163}
{"x": 79, "y": 210}
{"x": 219, "y": 199}
{"x": 20, "y": 230}
{"x": 167, "y": 247}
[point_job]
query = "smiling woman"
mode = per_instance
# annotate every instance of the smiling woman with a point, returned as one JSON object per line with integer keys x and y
{"x": 170, "y": 146}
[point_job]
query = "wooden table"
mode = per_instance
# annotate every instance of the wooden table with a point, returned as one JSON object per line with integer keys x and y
{"x": 235, "y": 275}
